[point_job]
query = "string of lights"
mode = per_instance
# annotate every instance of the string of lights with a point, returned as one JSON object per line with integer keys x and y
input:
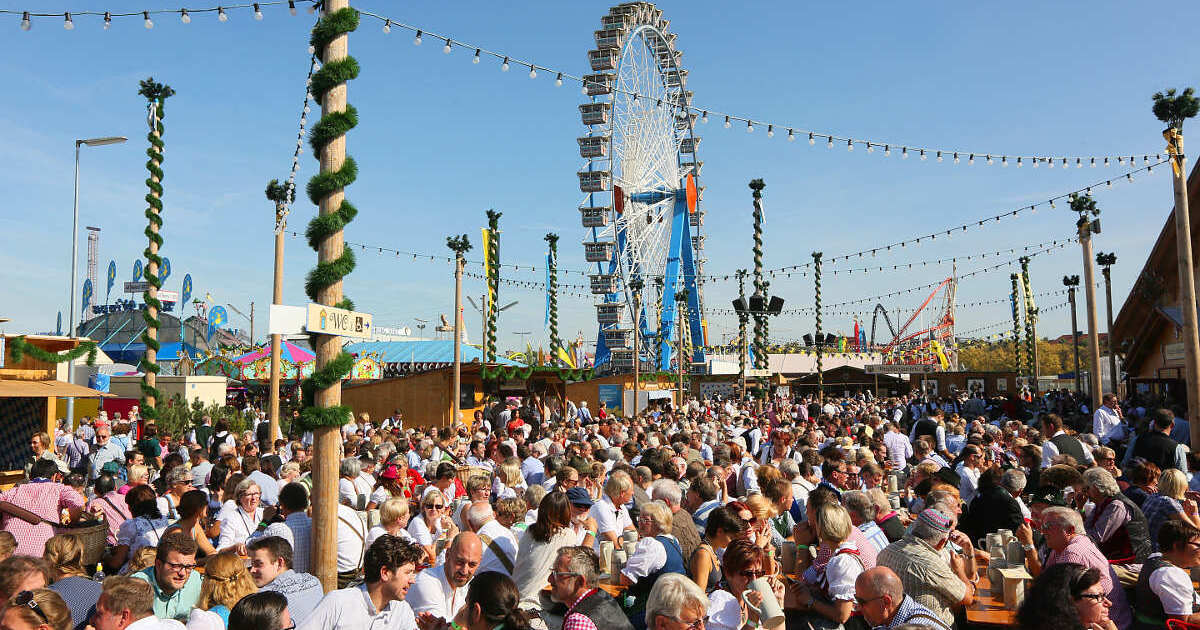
{"x": 831, "y": 139}
{"x": 1008, "y": 322}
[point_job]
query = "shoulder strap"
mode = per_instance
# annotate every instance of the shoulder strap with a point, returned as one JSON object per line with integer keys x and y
{"x": 491, "y": 544}
{"x": 112, "y": 505}
{"x": 362, "y": 554}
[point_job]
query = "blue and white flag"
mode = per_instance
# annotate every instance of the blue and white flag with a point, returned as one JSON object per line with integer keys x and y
{"x": 112, "y": 279}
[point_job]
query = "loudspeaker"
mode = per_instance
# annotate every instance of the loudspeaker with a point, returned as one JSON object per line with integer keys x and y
{"x": 740, "y": 305}
{"x": 808, "y": 340}
{"x": 757, "y": 303}
{"x": 776, "y": 305}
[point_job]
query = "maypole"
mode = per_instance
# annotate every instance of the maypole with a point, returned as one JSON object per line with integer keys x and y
{"x": 323, "y": 412}
{"x": 492, "y": 260}
{"x": 1031, "y": 349}
{"x": 552, "y": 293}
{"x": 282, "y": 195}
{"x": 1016, "y": 317}
{"x": 741, "y": 278}
{"x": 156, "y": 95}
{"x": 760, "y": 288}
{"x": 820, "y": 340}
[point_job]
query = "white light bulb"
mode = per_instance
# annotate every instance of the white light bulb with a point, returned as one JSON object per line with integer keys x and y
{"x": 417, "y": 39}
{"x": 387, "y": 27}
{"x": 791, "y": 135}
{"x": 583, "y": 89}
{"x": 726, "y": 122}
{"x": 257, "y": 12}
{"x": 67, "y": 23}
{"x": 221, "y": 15}
{"x": 532, "y": 72}
{"x": 770, "y": 131}
{"x": 26, "y": 24}
{"x": 704, "y": 118}
{"x": 870, "y": 148}
{"x": 749, "y": 127}
{"x": 107, "y": 20}
{"x": 850, "y": 145}
{"x": 558, "y": 80}
{"x": 475, "y": 59}
{"x": 447, "y": 48}
{"x": 829, "y": 143}
{"x": 887, "y": 151}
{"x": 185, "y": 17}
{"x": 146, "y": 20}
{"x": 504, "y": 66}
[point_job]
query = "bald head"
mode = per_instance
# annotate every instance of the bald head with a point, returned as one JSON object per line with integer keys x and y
{"x": 462, "y": 558}
{"x": 878, "y": 582}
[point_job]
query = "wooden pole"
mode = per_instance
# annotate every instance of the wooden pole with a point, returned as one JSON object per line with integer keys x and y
{"x": 327, "y": 443}
{"x": 151, "y": 270}
{"x": 458, "y": 276}
{"x": 1112, "y": 354}
{"x": 1089, "y": 291}
{"x": 1187, "y": 282}
{"x": 277, "y": 298}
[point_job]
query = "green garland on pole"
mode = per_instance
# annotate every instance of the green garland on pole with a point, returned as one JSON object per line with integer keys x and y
{"x": 742, "y": 318}
{"x": 331, "y": 126}
{"x": 156, "y": 94}
{"x": 1030, "y": 317}
{"x": 760, "y": 289}
{"x": 1016, "y": 317}
{"x": 493, "y": 280}
{"x": 820, "y": 340}
{"x": 555, "y": 342}
{"x": 18, "y": 347}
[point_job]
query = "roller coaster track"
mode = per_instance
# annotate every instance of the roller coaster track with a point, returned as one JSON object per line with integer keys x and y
{"x": 874, "y": 318}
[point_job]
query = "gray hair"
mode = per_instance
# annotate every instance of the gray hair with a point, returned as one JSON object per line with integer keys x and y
{"x": 1013, "y": 480}
{"x": 671, "y": 594}
{"x": 929, "y": 533}
{"x": 860, "y": 505}
{"x": 1101, "y": 480}
{"x": 350, "y": 467}
{"x": 178, "y": 474}
{"x": 1064, "y": 517}
{"x": 243, "y": 486}
{"x": 478, "y": 514}
{"x": 582, "y": 561}
{"x": 789, "y": 469}
{"x": 667, "y": 491}
{"x": 534, "y": 494}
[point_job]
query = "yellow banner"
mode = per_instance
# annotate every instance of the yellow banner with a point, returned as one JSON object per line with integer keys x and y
{"x": 487, "y": 270}
{"x": 565, "y": 357}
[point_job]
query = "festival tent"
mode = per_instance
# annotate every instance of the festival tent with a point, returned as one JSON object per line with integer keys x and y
{"x": 406, "y": 357}
{"x": 288, "y": 351}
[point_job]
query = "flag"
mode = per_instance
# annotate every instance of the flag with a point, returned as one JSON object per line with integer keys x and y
{"x": 187, "y": 288}
{"x": 855, "y": 343}
{"x": 164, "y": 271}
{"x": 58, "y": 327}
{"x": 841, "y": 344}
{"x": 112, "y": 278}
{"x": 87, "y": 294}
{"x": 565, "y": 357}
{"x": 137, "y": 270}
{"x": 487, "y": 272}
{"x": 547, "y": 289}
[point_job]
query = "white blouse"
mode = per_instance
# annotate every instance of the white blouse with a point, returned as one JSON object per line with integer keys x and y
{"x": 724, "y": 611}
{"x": 237, "y": 525}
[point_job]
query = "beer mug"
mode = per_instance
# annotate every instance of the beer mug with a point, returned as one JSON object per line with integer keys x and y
{"x": 770, "y": 615}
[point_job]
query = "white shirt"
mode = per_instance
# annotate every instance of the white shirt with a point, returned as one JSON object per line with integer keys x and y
{"x": 1104, "y": 424}
{"x": 609, "y": 518}
{"x": 349, "y": 491}
{"x": 432, "y": 593}
{"x": 724, "y": 611}
{"x": 236, "y": 524}
{"x": 840, "y": 573}
{"x": 1050, "y": 451}
{"x": 351, "y": 539}
{"x": 968, "y": 485}
{"x": 648, "y": 556}
{"x": 377, "y": 531}
{"x": 352, "y": 609}
{"x": 503, "y": 538}
{"x": 154, "y": 623}
{"x": 141, "y": 532}
{"x": 421, "y": 533}
{"x": 1173, "y": 586}
{"x": 364, "y": 483}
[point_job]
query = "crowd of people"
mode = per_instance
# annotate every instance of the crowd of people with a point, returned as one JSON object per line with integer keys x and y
{"x": 846, "y": 512}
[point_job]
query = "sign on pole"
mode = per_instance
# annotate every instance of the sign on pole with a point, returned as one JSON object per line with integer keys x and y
{"x": 757, "y": 372}
{"x": 328, "y": 320}
{"x": 876, "y": 368}
{"x": 137, "y": 287}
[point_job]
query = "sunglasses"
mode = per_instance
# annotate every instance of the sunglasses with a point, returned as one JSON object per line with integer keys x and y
{"x": 1096, "y": 597}
{"x": 751, "y": 575}
{"x": 25, "y": 598}
{"x": 435, "y": 507}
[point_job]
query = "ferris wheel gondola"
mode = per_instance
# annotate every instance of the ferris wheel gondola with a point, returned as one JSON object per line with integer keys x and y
{"x": 642, "y": 189}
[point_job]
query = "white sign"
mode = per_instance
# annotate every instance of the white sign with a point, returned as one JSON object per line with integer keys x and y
{"x": 327, "y": 320}
{"x": 752, "y": 373}
{"x": 876, "y": 368}
{"x": 286, "y": 320}
{"x": 168, "y": 296}
{"x": 137, "y": 287}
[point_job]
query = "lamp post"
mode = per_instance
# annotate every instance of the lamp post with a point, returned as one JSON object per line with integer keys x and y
{"x": 1106, "y": 261}
{"x": 91, "y": 142}
{"x": 1072, "y": 282}
{"x": 1087, "y": 225}
{"x": 282, "y": 196}
{"x": 460, "y": 245}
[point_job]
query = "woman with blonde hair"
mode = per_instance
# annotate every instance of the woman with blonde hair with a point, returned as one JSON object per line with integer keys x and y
{"x": 35, "y": 610}
{"x": 762, "y": 511}
{"x": 226, "y": 580}
{"x": 393, "y": 519}
{"x": 64, "y": 554}
{"x": 1171, "y": 503}
{"x": 509, "y": 482}
{"x": 828, "y": 591}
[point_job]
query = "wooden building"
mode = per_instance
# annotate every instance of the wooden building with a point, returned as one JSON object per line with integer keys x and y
{"x": 1147, "y": 330}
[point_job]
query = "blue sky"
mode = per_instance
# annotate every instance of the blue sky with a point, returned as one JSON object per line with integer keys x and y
{"x": 441, "y": 140}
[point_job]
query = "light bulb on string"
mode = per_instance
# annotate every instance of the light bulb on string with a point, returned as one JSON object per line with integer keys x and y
{"x": 870, "y": 148}
{"x": 990, "y": 161}
{"x": 704, "y": 118}
{"x": 923, "y": 156}
{"x": 107, "y": 20}
{"x": 1035, "y": 162}
{"x": 221, "y": 15}
{"x": 956, "y": 157}
{"x": 387, "y": 26}
{"x": 184, "y": 16}
{"x": 850, "y": 145}
{"x": 829, "y": 142}
{"x": 292, "y": 7}
{"x": 26, "y": 24}
{"x": 939, "y": 156}
{"x": 257, "y": 12}
{"x": 475, "y": 59}
{"x": 146, "y": 21}
{"x": 749, "y": 127}
{"x": 67, "y": 23}
{"x": 532, "y": 72}
{"x": 1050, "y": 162}
{"x": 971, "y": 160}
{"x": 558, "y": 79}
{"x": 887, "y": 151}
{"x": 770, "y": 131}
{"x": 312, "y": 8}
{"x": 447, "y": 48}
{"x": 504, "y": 65}
{"x": 417, "y": 39}
{"x": 726, "y": 122}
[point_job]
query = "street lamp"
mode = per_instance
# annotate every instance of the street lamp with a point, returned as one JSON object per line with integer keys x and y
{"x": 91, "y": 142}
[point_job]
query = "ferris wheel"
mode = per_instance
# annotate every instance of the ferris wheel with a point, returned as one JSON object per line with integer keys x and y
{"x": 642, "y": 190}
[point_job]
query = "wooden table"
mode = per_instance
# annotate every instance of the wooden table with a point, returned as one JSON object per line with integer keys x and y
{"x": 988, "y": 610}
